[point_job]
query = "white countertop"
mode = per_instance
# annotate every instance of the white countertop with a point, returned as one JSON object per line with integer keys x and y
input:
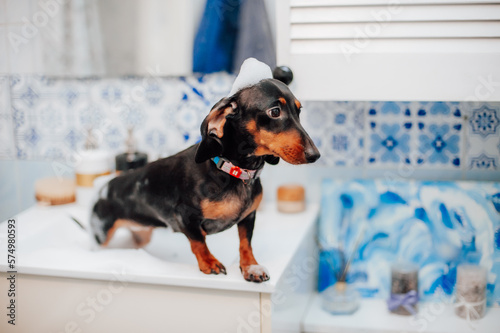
{"x": 50, "y": 243}
{"x": 373, "y": 317}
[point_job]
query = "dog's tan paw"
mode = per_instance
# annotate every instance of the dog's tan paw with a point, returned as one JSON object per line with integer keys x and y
{"x": 255, "y": 273}
{"x": 212, "y": 267}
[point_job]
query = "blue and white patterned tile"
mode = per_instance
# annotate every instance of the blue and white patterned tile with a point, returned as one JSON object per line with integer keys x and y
{"x": 50, "y": 118}
{"x": 210, "y": 87}
{"x": 175, "y": 111}
{"x": 420, "y": 134}
{"x": 108, "y": 109}
{"x": 444, "y": 110}
{"x": 388, "y": 135}
{"x": 25, "y": 96}
{"x": 388, "y": 143}
{"x": 111, "y": 96}
{"x": 153, "y": 94}
{"x": 390, "y": 110}
{"x": 7, "y": 144}
{"x": 216, "y": 86}
{"x": 25, "y": 91}
{"x": 71, "y": 92}
{"x": 439, "y": 135}
{"x": 317, "y": 119}
{"x": 41, "y": 117}
{"x": 337, "y": 130}
{"x": 440, "y": 144}
{"x": 483, "y": 136}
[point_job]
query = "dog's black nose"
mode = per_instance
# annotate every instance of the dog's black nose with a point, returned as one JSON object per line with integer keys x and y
{"x": 312, "y": 155}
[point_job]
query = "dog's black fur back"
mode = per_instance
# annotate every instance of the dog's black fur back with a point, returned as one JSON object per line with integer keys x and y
{"x": 187, "y": 191}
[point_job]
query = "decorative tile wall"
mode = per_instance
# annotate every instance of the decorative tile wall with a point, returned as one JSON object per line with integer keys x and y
{"x": 337, "y": 129}
{"x": 483, "y": 148}
{"x": 51, "y": 117}
{"x": 424, "y": 135}
{"x": 7, "y": 146}
{"x": 456, "y": 137}
{"x": 47, "y": 119}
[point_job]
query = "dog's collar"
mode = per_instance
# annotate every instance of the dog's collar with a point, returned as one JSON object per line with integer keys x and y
{"x": 235, "y": 171}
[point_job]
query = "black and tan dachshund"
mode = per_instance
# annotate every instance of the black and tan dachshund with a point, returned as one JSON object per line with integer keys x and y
{"x": 214, "y": 184}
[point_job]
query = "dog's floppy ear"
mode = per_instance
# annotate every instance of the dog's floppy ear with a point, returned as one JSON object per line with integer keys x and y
{"x": 271, "y": 159}
{"x": 212, "y": 130}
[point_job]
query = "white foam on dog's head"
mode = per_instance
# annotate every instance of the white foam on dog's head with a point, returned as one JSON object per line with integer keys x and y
{"x": 252, "y": 72}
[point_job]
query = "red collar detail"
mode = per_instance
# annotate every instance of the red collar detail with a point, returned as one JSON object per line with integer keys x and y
{"x": 235, "y": 171}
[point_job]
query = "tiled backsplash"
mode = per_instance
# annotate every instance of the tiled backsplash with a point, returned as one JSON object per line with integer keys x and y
{"x": 45, "y": 118}
{"x": 407, "y": 135}
{"x": 48, "y": 118}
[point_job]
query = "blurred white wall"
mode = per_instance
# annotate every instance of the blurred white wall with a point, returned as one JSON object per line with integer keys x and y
{"x": 137, "y": 36}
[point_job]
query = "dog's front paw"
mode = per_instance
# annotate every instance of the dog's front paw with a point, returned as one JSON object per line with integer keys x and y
{"x": 212, "y": 266}
{"x": 255, "y": 273}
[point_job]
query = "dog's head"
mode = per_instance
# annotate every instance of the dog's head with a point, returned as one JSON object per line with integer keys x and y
{"x": 259, "y": 120}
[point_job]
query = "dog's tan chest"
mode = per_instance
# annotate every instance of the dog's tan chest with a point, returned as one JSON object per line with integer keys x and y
{"x": 231, "y": 208}
{"x": 227, "y": 209}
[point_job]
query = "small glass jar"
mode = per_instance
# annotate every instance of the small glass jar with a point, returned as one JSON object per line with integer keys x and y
{"x": 470, "y": 292}
{"x": 340, "y": 299}
{"x": 404, "y": 289}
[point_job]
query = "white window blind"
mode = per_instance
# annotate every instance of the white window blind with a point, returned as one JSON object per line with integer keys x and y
{"x": 397, "y": 50}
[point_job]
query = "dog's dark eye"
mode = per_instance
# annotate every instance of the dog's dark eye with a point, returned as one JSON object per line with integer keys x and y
{"x": 274, "y": 112}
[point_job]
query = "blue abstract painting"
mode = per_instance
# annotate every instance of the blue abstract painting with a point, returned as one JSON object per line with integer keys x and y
{"x": 436, "y": 225}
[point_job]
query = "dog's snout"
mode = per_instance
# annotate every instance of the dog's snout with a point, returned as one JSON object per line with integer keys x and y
{"x": 312, "y": 155}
